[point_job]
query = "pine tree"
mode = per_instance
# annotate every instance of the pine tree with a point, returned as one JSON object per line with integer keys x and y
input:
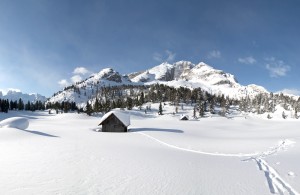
{"x": 284, "y": 115}
{"x": 129, "y": 103}
{"x": 160, "y": 111}
{"x": 194, "y": 112}
{"x": 142, "y": 98}
{"x": 97, "y": 106}
{"x": 27, "y": 106}
{"x": 201, "y": 109}
{"x": 89, "y": 109}
{"x": 212, "y": 106}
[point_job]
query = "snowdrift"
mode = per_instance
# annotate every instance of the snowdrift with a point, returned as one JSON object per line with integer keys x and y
{"x": 15, "y": 122}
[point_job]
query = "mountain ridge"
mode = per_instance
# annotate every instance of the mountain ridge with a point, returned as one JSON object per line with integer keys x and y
{"x": 187, "y": 74}
{"x": 179, "y": 74}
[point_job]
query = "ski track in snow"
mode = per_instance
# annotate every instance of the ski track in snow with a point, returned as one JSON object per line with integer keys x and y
{"x": 197, "y": 151}
{"x": 276, "y": 183}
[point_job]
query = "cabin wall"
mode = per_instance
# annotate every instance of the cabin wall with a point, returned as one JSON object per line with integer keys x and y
{"x": 113, "y": 124}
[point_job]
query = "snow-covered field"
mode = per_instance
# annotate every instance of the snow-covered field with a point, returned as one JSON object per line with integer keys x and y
{"x": 63, "y": 154}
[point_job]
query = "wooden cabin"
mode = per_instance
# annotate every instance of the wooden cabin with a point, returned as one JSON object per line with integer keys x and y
{"x": 184, "y": 118}
{"x": 115, "y": 121}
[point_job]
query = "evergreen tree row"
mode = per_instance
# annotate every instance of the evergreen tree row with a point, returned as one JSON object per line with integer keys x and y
{"x": 108, "y": 98}
{"x": 6, "y": 105}
{"x": 63, "y": 106}
{"x": 104, "y": 98}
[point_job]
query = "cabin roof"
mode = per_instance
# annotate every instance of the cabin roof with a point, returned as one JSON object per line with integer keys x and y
{"x": 184, "y": 117}
{"x": 123, "y": 117}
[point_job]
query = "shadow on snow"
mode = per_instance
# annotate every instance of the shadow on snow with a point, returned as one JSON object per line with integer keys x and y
{"x": 155, "y": 129}
{"x": 39, "y": 133}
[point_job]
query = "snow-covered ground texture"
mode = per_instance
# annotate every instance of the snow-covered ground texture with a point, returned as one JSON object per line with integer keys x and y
{"x": 64, "y": 154}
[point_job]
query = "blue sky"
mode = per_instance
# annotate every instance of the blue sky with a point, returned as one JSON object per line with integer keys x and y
{"x": 44, "y": 42}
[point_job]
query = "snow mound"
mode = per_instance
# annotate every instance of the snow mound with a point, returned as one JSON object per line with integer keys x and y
{"x": 15, "y": 122}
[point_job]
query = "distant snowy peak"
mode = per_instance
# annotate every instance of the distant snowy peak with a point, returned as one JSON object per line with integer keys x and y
{"x": 16, "y": 95}
{"x": 187, "y": 74}
{"x": 85, "y": 90}
{"x": 210, "y": 75}
{"x": 110, "y": 75}
{"x": 163, "y": 72}
{"x": 184, "y": 70}
{"x": 256, "y": 88}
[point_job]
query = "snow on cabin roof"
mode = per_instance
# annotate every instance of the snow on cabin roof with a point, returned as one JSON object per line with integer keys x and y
{"x": 123, "y": 117}
{"x": 184, "y": 116}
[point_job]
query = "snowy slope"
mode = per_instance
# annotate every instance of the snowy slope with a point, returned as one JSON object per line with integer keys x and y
{"x": 163, "y": 72}
{"x": 187, "y": 74}
{"x": 16, "y": 95}
{"x": 62, "y": 154}
{"x": 87, "y": 89}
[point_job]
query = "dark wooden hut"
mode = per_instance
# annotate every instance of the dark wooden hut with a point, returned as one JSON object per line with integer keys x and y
{"x": 115, "y": 121}
{"x": 184, "y": 118}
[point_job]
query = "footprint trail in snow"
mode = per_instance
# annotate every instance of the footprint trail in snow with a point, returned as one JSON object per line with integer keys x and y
{"x": 276, "y": 183}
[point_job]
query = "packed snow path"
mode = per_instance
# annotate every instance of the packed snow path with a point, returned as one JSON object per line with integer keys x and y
{"x": 275, "y": 182}
{"x": 197, "y": 151}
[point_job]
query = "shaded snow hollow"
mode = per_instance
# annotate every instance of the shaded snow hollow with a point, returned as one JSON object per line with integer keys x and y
{"x": 15, "y": 122}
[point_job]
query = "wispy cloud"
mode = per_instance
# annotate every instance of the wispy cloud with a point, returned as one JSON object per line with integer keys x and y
{"x": 167, "y": 56}
{"x": 4, "y": 91}
{"x": 247, "y": 60}
{"x": 214, "y": 54}
{"x": 276, "y": 68}
{"x": 171, "y": 56}
{"x": 76, "y": 78}
{"x": 81, "y": 70}
{"x": 157, "y": 57}
{"x": 63, "y": 83}
{"x": 290, "y": 91}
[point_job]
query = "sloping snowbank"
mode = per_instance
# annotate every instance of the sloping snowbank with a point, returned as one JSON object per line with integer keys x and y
{"x": 15, "y": 122}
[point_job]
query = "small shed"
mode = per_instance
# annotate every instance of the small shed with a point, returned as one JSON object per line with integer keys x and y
{"x": 184, "y": 117}
{"x": 115, "y": 121}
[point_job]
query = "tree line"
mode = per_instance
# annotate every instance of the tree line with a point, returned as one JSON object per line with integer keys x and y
{"x": 102, "y": 99}
{"x": 6, "y": 105}
{"x": 105, "y": 98}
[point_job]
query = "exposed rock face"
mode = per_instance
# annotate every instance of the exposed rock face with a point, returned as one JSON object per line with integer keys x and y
{"x": 185, "y": 71}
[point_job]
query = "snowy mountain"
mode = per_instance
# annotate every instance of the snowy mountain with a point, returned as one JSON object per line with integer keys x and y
{"x": 182, "y": 73}
{"x": 187, "y": 74}
{"x": 16, "y": 95}
{"x": 87, "y": 89}
{"x": 163, "y": 72}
